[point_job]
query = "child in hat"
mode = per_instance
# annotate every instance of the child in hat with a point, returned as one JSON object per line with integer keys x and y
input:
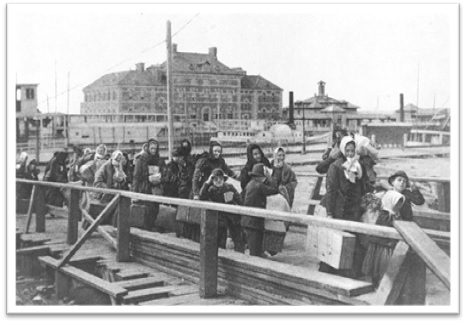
{"x": 400, "y": 183}
{"x": 217, "y": 190}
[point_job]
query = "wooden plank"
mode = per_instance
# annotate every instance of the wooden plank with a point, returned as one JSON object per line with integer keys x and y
{"x": 395, "y": 275}
{"x": 33, "y": 249}
{"x": 175, "y": 300}
{"x": 153, "y": 293}
{"x": 100, "y": 229}
{"x": 122, "y": 254}
{"x": 428, "y": 250}
{"x": 208, "y": 253}
{"x": 31, "y": 208}
{"x": 73, "y": 217}
{"x": 107, "y": 211}
{"x": 130, "y": 275}
{"x": 142, "y": 283}
{"x": 110, "y": 288}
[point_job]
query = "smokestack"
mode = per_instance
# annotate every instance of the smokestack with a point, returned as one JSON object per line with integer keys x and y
{"x": 321, "y": 88}
{"x": 213, "y": 52}
{"x": 290, "y": 108}
{"x": 401, "y": 108}
{"x": 174, "y": 48}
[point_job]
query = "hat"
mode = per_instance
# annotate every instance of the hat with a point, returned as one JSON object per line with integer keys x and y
{"x": 401, "y": 174}
{"x": 176, "y": 152}
{"x": 257, "y": 171}
{"x": 217, "y": 172}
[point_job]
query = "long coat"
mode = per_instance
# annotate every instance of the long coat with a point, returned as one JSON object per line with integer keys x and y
{"x": 209, "y": 192}
{"x": 244, "y": 177}
{"x": 286, "y": 178}
{"x": 141, "y": 184}
{"x": 343, "y": 198}
{"x": 255, "y": 196}
{"x": 104, "y": 179}
{"x": 203, "y": 169}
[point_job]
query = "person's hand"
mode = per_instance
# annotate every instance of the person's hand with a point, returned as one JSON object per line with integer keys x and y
{"x": 413, "y": 186}
{"x": 210, "y": 179}
{"x": 196, "y": 197}
{"x": 329, "y": 216}
{"x": 335, "y": 153}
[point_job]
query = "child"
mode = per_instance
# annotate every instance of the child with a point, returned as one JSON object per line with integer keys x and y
{"x": 216, "y": 190}
{"x": 400, "y": 183}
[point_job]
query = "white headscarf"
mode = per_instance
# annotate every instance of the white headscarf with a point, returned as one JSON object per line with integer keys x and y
{"x": 352, "y": 167}
{"x": 119, "y": 172}
{"x": 389, "y": 201}
{"x": 364, "y": 146}
{"x": 22, "y": 160}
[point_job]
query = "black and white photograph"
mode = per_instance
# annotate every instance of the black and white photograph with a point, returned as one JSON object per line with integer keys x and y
{"x": 232, "y": 158}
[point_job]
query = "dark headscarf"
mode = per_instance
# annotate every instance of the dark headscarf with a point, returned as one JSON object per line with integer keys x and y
{"x": 211, "y": 146}
{"x": 251, "y": 161}
{"x": 185, "y": 150}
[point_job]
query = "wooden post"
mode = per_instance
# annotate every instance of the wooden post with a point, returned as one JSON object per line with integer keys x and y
{"x": 62, "y": 284}
{"x": 40, "y": 211}
{"x": 106, "y": 211}
{"x": 73, "y": 217}
{"x": 32, "y": 205}
{"x": 208, "y": 253}
{"x": 414, "y": 291}
{"x": 123, "y": 254}
{"x": 315, "y": 195}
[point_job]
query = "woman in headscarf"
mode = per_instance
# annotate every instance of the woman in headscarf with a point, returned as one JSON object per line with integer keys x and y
{"x": 379, "y": 250}
{"x": 149, "y": 174}
{"x": 111, "y": 176}
{"x": 56, "y": 172}
{"x": 343, "y": 198}
{"x": 255, "y": 155}
{"x": 286, "y": 178}
{"x": 343, "y": 184}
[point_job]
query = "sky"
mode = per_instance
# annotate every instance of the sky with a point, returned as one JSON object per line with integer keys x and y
{"x": 366, "y": 54}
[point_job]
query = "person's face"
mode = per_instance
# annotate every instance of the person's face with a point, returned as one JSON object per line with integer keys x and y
{"x": 256, "y": 155}
{"x": 218, "y": 181}
{"x": 350, "y": 151}
{"x": 280, "y": 157}
{"x": 101, "y": 150}
{"x": 152, "y": 148}
{"x": 399, "y": 184}
{"x": 118, "y": 158}
{"x": 217, "y": 151}
{"x": 124, "y": 161}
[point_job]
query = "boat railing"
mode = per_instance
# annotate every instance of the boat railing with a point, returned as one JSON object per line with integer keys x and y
{"x": 411, "y": 238}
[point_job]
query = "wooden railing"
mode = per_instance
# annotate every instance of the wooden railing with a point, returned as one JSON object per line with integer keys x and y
{"x": 433, "y": 256}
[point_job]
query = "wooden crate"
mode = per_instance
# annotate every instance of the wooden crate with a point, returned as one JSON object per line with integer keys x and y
{"x": 333, "y": 247}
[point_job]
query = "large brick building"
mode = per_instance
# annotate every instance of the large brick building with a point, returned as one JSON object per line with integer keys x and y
{"x": 203, "y": 89}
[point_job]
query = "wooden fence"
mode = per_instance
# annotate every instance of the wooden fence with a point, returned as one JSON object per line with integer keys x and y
{"x": 409, "y": 234}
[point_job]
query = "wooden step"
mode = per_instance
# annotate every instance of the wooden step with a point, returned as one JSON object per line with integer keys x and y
{"x": 130, "y": 275}
{"x": 158, "y": 292}
{"x": 148, "y": 282}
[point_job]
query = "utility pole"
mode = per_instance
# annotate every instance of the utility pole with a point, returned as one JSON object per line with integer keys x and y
{"x": 169, "y": 88}
{"x": 56, "y": 91}
{"x": 304, "y": 139}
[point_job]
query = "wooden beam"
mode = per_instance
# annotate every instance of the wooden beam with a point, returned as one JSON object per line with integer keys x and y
{"x": 428, "y": 250}
{"x": 123, "y": 254}
{"x": 106, "y": 211}
{"x": 100, "y": 229}
{"x": 30, "y": 210}
{"x": 73, "y": 217}
{"x": 394, "y": 277}
{"x": 40, "y": 211}
{"x": 315, "y": 195}
{"x": 208, "y": 253}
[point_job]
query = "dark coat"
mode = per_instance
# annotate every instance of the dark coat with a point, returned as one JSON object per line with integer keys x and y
{"x": 413, "y": 196}
{"x": 244, "y": 177}
{"x": 56, "y": 172}
{"x": 104, "y": 179}
{"x": 255, "y": 196}
{"x": 211, "y": 193}
{"x": 141, "y": 184}
{"x": 178, "y": 182}
{"x": 343, "y": 198}
{"x": 286, "y": 179}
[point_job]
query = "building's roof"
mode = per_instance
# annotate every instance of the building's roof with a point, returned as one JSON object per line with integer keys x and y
{"x": 319, "y": 102}
{"x": 127, "y": 78}
{"x": 333, "y": 109}
{"x": 198, "y": 62}
{"x": 258, "y": 82}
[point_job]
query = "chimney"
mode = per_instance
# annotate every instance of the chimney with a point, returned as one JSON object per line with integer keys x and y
{"x": 290, "y": 108}
{"x": 321, "y": 88}
{"x": 213, "y": 52}
{"x": 140, "y": 66}
{"x": 401, "y": 108}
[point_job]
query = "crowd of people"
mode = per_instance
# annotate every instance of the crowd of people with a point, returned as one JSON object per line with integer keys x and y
{"x": 352, "y": 190}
